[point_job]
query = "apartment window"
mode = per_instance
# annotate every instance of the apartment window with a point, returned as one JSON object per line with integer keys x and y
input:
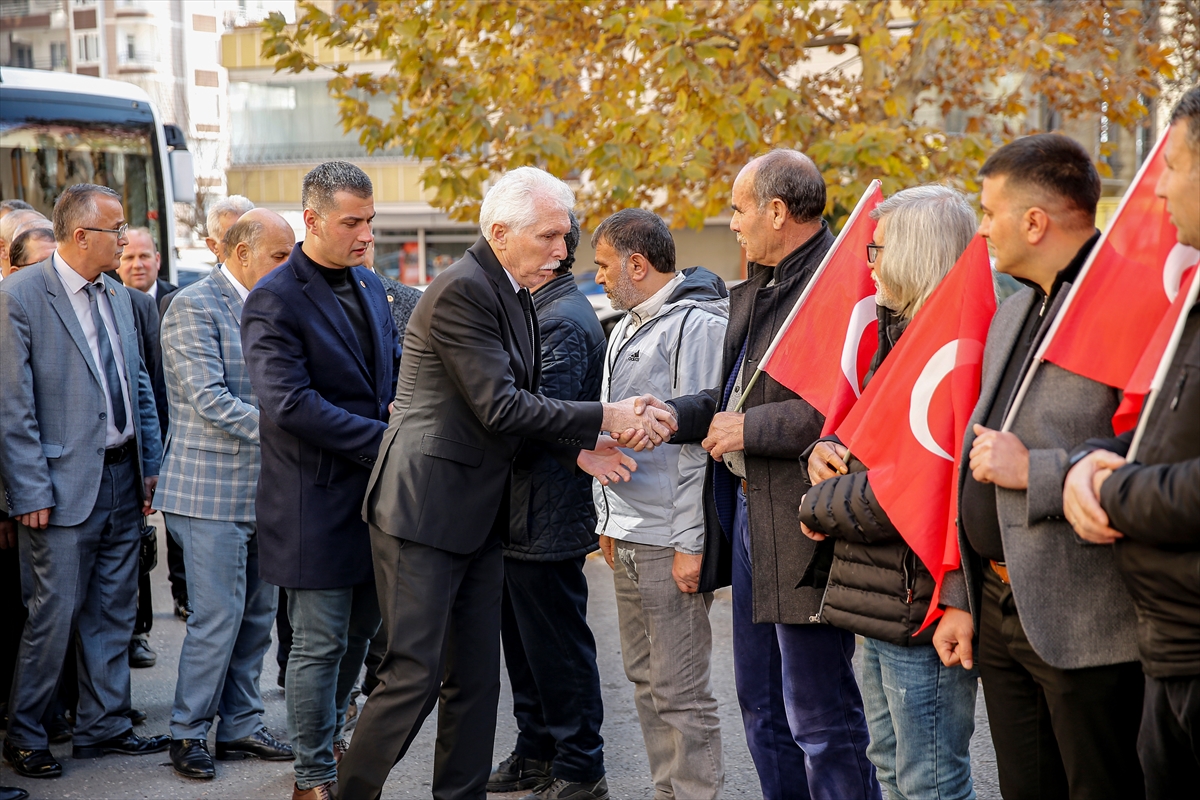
{"x": 22, "y": 55}
{"x": 58, "y": 55}
{"x": 130, "y": 47}
{"x": 87, "y": 47}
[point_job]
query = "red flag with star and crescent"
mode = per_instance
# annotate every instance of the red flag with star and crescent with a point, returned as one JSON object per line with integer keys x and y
{"x": 908, "y": 425}
{"x": 836, "y": 313}
{"x": 1125, "y": 287}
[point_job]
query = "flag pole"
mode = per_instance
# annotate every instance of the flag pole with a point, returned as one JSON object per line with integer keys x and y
{"x": 1087, "y": 265}
{"x": 862, "y": 201}
{"x": 1160, "y": 374}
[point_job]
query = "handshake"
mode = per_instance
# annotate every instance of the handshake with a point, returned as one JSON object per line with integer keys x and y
{"x": 638, "y": 423}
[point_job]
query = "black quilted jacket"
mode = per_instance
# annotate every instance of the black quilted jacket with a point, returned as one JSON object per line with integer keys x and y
{"x": 553, "y": 517}
{"x": 877, "y": 585}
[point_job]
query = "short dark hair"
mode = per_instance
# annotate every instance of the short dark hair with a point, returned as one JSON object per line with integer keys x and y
{"x": 634, "y": 230}
{"x": 792, "y": 177}
{"x": 326, "y": 180}
{"x": 76, "y": 208}
{"x": 1188, "y": 108}
{"x": 16, "y": 254}
{"x": 1053, "y": 163}
{"x": 15, "y": 205}
{"x": 572, "y": 242}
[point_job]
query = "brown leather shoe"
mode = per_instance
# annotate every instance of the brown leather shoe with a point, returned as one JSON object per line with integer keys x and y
{"x": 326, "y": 791}
{"x": 340, "y": 746}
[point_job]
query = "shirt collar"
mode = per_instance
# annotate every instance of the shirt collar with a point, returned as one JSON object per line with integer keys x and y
{"x": 70, "y": 278}
{"x": 242, "y": 291}
{"x": 516, "y": 286}
{"x": 654, "y": 303}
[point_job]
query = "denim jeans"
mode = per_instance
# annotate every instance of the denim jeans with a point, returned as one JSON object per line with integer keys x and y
{"x": 800, "y": 703}
{"x": 228, "y": 633}
{"x": 921, "y": 716}
{"x": 331, "y": 629}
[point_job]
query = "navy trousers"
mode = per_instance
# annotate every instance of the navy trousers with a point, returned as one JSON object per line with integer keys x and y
{"x": 800, "y": 703}
{"x": 550, "y": 654}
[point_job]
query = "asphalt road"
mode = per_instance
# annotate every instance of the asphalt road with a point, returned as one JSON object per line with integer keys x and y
{"x": 126, "y": 778}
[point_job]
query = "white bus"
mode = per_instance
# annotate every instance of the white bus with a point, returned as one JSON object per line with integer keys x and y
{"x": 58, "y": 129}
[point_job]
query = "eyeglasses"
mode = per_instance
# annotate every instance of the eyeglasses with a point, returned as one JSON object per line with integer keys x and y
{"x": 873, "y": 252}
{"x": 120, "y": 232}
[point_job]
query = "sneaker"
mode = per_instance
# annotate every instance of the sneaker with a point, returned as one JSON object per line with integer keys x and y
{"x": 566, "y": 790}
{"x": 517, "y": 772}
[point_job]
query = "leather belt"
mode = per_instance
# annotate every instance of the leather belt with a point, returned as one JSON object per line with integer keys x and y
{"x": 1001, "y": 571}
{"x": 120, "y": 453}
{"x": 745, "y": 487}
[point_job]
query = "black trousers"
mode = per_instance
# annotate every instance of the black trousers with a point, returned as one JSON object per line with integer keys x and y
{"x": 1169, "y": 742}
{"x": 12, "y": 617}
{"x": 1057, "y": 733}
{"x": 442, "y": 614}
{"x": 550, "y": 654}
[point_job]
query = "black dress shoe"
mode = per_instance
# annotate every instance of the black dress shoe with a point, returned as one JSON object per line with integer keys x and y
{"x": 140, "y": 654}
{"x": 31, "y": 763}
{"x": 136, "y": 716}
{"x": 128, "y": 743}
{"x": 191, "y": 759}
{"x": 183, "y": 608}
{"x": 260, "y": 744}
{"x": 12, "y": 793}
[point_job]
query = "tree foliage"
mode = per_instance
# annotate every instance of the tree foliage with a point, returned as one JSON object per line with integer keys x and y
{"x": 660, "y": 103}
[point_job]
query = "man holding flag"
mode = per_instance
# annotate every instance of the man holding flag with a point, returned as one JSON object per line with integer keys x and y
{"x": 1150, "y": 506}
{"x": 1056, "y": 625}
{"x": 794, "y": 677}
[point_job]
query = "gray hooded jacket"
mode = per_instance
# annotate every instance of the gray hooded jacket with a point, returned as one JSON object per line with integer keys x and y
{"x": 675, "y": 352}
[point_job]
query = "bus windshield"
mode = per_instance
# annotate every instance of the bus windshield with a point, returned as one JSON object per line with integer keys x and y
{"x": 38, "y": 161}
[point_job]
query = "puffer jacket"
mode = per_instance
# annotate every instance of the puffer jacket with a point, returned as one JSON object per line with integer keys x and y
{"x": 877, "y": 586}
{"x": 677, "y": 351}
{"x": 552, "y": 515}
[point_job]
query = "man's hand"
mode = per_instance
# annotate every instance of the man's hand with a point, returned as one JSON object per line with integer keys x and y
{"x": 1081, "y": 496}
{"x": 606, "y": 463}
{"x": 826, "y": 461}
{"x": 647, "y": 414}
{"x": 37, "y": 520}
{"x": 724, "y": 434}
{"x": 999, "y": 458}
{"x": 147, "y": 505}
{"x": 8, "y": 534}
{"x": 686, "y": 571}
{"x": 953, "y": 636}
{"x": 606, "y": 547}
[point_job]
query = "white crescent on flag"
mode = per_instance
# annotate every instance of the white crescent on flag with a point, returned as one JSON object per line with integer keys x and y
{"x": 939, "y": 365}
{"x": 1180, "y": 258}
{"x": 860, "y": 319}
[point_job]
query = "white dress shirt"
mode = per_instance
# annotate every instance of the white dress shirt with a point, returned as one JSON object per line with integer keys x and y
{"x": 75, "y": 285}
{"x": 242, "y": 291}
{"x": 153, "y": 292}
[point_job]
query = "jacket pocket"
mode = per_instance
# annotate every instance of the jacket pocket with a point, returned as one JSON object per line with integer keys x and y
{"x": 51, "y": 450}
{"x": 213, "y": 445}
{"x": 460, "y": 452}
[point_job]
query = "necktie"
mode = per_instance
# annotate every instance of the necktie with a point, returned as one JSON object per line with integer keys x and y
{"x": 527, "y": 307}
{"x": 111, "y": 376}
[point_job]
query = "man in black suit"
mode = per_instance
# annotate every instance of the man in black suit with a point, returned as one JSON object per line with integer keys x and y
{"x": 322, "y": 351}
{"x": 438, "y": 500}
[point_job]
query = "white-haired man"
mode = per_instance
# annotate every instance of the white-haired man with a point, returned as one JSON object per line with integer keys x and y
{"x": 437, "y": 501}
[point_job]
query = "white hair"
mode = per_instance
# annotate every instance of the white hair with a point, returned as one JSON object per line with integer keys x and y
{"x": 928, "y": 229}
{"x": 234, "y": 204}
{"x": 512, "y": 200}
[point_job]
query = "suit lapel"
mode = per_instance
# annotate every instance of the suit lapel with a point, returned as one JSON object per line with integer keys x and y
{"x": 515, "y": 315}
{"x": 321, "y": 294}
{"x": 127, "y": 330}
{"x": 375, "y": 320}
{"x": 61, "y": 303}
{"x": 230, "y": 295}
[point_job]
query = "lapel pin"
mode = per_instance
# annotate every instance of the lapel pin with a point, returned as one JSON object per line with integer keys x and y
{"x": 112, "y": 292}
{"x": 391, "y": 299}
{"x": 360, "y": 283}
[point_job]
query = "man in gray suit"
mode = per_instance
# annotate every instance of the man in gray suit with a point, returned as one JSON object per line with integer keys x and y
{"x": 79, "y": 447}
{"x": 1056, "y": 653}
{"x": 209, "y": 476}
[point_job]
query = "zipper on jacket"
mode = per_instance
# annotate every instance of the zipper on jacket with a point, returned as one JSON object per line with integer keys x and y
{"x": 1178, "y": 390}
{"x": 908, "y": 582}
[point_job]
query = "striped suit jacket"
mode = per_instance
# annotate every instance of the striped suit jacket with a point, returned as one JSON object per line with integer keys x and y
{"x": 211, "y": 466}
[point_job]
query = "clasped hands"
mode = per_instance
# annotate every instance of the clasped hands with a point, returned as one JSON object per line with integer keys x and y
{"x": 826, "y": 461}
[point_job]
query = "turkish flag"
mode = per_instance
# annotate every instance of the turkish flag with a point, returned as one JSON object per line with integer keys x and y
{"x": 1124, "y": 288}
{"x": 823, "y": 352}
{"x": 908, "y": 426}
{"x": 1147, "y": 367}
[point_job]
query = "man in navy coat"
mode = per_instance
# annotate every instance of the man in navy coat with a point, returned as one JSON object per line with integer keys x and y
{"x": 322, "y": 351}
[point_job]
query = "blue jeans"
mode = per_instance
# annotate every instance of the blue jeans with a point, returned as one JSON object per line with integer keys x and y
{"x": 800, "y": 703}
{"x": 228, "y": 633}
{"x": 331, "y": 629}
{"x": 921, "y": 716}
